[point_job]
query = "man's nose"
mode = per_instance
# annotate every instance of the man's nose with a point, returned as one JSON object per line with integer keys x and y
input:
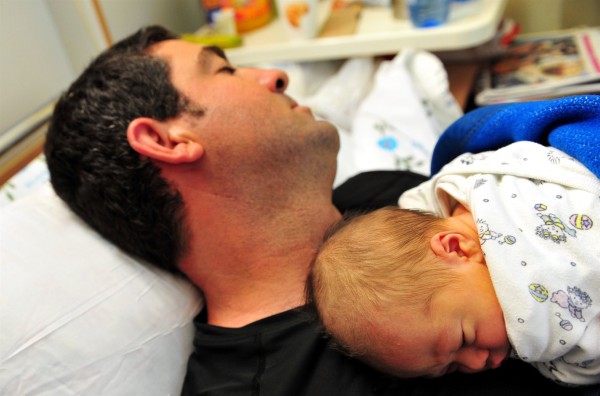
{"x": 274, "y": 80}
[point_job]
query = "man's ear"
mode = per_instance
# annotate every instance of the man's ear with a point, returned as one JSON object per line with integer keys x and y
{"x": 163, "y": 141}
{"x": 452, "y": 245}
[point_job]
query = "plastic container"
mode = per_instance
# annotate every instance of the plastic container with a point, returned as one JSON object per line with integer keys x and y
{"x": 249, "y": 14}
{"x": 428, "y": 13}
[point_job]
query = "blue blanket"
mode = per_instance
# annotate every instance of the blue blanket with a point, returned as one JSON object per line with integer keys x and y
{"x": 570, "y": 124}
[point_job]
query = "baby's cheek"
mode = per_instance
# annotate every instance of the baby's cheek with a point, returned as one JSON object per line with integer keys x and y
{"x": 493, "y": 335}
{"x": 498, "y": 335}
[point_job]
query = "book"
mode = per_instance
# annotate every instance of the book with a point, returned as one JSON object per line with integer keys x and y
{"x": 543, "y": 66}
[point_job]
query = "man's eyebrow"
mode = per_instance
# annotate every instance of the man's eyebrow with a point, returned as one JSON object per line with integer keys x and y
{"x": 216, "y": 51}
{"x": 207, "y": 53}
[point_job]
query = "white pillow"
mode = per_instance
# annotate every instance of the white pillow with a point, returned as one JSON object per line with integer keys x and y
{"x": 80, "y": 317}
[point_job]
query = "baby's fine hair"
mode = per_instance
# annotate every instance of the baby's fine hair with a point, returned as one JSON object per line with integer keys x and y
{"x": 370, "y": 263}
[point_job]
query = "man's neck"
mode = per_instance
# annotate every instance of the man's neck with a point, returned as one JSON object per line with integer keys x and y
{"x": 261, "y": 269}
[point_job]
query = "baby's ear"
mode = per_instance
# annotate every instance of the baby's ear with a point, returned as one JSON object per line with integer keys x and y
{"x": 452, "y": 245}
{"x": 163, "y": 140}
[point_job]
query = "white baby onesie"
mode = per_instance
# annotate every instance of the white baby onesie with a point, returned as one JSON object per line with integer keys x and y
{"x": 538, "y": 215}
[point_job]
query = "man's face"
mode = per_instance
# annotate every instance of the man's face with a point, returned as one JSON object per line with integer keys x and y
{"x": 248, "y": 123}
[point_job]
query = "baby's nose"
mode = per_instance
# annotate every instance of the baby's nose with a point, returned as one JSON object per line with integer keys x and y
{"x": 495, "y": 358}
{"x": 473, "y": 360}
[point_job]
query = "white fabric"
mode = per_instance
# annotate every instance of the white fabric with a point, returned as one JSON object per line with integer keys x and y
{"x": 538, "y": 214}
{"x": 400, "y": 120}
{"x": 339, "y": 96}
{"x": 78, "y": 316}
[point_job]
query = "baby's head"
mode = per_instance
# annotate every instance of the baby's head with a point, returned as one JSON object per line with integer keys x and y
{"x": 408, "y": 294}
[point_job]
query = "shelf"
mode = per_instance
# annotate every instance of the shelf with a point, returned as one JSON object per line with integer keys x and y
{"x": 377, "y": 33}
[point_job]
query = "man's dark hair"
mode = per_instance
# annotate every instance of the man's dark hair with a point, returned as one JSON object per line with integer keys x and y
{"x": 118, "y": 192}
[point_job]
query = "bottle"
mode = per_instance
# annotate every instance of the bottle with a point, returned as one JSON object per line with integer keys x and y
{"x": 210, "y": 7}
{"x": 428, "y": 13}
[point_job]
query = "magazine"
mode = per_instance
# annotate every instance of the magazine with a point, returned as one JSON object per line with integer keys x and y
{"x": 541, "y": 66}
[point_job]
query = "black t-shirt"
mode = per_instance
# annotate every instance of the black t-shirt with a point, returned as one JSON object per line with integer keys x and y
{"x": 280, "y": 355}
{"x": 288, "y": 355}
